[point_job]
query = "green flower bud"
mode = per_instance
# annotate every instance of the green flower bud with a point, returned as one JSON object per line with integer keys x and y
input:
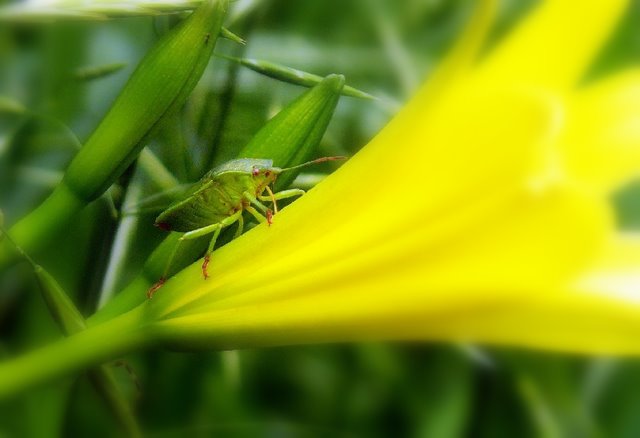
{"x": 159, "y": 87}
{"x": 291, "y": 75}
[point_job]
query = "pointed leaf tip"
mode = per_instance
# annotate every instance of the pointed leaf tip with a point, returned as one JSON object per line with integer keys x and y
{"x": 335, "y": 81}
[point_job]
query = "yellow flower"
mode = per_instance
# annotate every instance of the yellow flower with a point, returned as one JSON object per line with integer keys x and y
{"x": 480, "y": 213}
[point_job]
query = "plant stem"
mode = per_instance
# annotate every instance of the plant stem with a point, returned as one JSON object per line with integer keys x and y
{"x": 91, "y": 347}
{"x": 105, "y": 384}
{"x": 155, "y": 170}
{"x": 127, "y": 228}
{"x": 48, "y": 219}
{"x": 394, "y": 48}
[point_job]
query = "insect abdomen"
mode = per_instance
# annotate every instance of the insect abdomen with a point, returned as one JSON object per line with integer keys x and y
{"x": 205, "y": 207}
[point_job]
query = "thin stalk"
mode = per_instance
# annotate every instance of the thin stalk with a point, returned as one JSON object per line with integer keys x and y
{"x": 105, "y": 384}
{"x": 124, "y": 234}
{"x": 399, "y": 58}
{"x": 70, "y": 322}
{"x": 156, "y": 171}
{"x": 175, "y": 148}
{"x": 91, "y": 11}
{"x": 100, "y": 10}
{"x": 290, "y": 75}
{"x": 52, "y": 178}
{"x": 226, "y": 100}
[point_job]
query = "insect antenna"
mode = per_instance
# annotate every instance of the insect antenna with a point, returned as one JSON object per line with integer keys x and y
{"x": 316, "y": 161}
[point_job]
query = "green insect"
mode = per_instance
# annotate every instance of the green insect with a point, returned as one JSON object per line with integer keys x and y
{"x": 219, "y": 200}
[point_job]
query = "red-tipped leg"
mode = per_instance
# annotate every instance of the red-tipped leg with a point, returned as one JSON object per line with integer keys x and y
{"x": 153, "y": 289}
{"x": 269, "y": 217}
{"x": 205, "y": 264}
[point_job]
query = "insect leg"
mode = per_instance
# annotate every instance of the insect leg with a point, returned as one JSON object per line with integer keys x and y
{"x": 190, "y": 235}
{"x": 273, "y": 197}
{"x": 153, "y": 289}
{"x": 215, "y": 229}
{"x": 285, "y": 194}
{"x": 240, "y": 227}
{"x": 255, "y": 214}
{"x": 201, "y": 231}
{"x": 260, "y": 206}
{"x": 207, "y": 255}
{"x": 237, "y": 216}
{"x": 252, "y": 199}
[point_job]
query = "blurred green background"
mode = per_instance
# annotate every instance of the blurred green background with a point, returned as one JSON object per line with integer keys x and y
{"x": 385, "y": 47}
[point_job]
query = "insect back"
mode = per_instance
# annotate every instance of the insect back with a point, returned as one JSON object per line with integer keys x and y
{"x": 219, "y": 194}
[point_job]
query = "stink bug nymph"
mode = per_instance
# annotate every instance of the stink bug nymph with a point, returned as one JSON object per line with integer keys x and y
{"x": 220, "y": 198}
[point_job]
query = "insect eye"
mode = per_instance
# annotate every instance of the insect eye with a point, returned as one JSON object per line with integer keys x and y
{"x": 267, "y": 173}
{"x": 255, "y": 171}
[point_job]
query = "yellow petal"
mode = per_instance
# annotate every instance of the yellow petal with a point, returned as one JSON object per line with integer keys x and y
{"x": 615, "y": 274}
{"x": 601, "y": 145}
{"x": 554, "y": 44}
{"x": 596, "y": 313}
{"x": 401, "y": 289}
{"x": 433, "y": 231}
{"x": 466, "y": 161}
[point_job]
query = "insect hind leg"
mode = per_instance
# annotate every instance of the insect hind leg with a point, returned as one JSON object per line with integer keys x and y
{"x": 256, "y": 214}
{"x": 207, "y": 255}
{"x": 240, "y": 227}
{"x": 154, "y": 288}
{"x": 194, "y": 234}
{"x": 217, "y": 228}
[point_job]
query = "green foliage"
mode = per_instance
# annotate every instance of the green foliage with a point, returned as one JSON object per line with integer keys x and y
{"x": 358, "y": 390}
{"x": 157, "y": 89}
{"x": 289, "y": 138}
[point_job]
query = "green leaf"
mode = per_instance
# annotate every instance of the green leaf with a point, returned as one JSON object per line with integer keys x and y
{"x": 158, "y": 88}
{"x": 291, "y": 75}
{"x": 91, "y": 73}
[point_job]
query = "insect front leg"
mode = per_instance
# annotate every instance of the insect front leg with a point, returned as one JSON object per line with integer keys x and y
{"x": 256, "y": 214}
{"x": 252, "y": 199}
{"x": 285, "y": 194}
{"x": 273, "y": 197}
